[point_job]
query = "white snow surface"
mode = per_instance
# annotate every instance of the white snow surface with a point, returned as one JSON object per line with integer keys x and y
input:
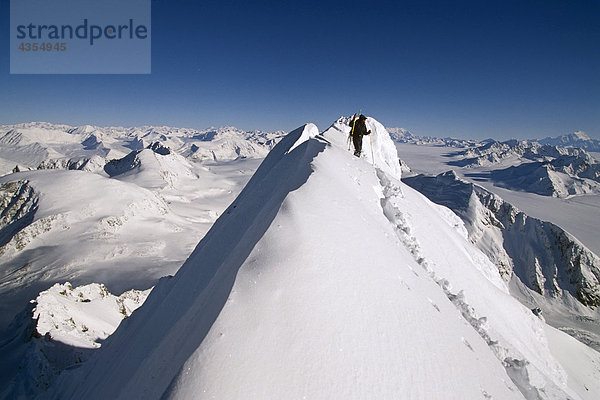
{"x": 126, "y": 231}
{"x": 579, "y": 360}
{"x": 41, "y": 144}
{"x": 578, "y": 215}
{"x": 378, "y": 147}
{"x": 85, "y": 315}
{"x": 61, "y": 329}
{"x": 328, "y": 278}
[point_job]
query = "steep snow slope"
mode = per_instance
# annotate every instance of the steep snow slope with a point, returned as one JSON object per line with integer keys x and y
{"x": 548, "y": 268}
{"x": 543, "y": 256}
{"x": 327, "y": 278}
{"x": 58, "y": 331}
{"x": 577, "y": 359}
{"x": 127, "y": 232}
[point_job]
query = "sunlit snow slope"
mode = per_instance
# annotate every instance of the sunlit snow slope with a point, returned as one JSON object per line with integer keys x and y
{"x": 327, "y": 278}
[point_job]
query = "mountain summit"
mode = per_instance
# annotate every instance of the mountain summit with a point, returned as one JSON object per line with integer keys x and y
{"x": 329, "y": 278}
{"x": 576, "y": 139}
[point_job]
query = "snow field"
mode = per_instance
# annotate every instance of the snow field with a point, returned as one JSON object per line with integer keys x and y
{"x": 329, "y": 278}
{"x": 303, "y": 288}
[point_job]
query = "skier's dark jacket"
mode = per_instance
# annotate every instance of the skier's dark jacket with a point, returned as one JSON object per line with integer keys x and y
{"x": 360, "y": 129}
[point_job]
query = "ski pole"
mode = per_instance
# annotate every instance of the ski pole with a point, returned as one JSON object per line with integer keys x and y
{"x": 352, "y": 130}
{"x": 371, "y": 139}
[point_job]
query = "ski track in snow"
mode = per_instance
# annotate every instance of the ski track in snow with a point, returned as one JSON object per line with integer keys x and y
{"x": 514, "y": 367}
{"x": 517, "y": 367}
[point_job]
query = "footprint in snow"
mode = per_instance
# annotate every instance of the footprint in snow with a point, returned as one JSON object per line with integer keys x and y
{"x": 467, "y": 344}
{"x": 434, "y": 305}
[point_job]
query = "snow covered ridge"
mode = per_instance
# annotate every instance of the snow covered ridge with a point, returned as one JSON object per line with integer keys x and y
{"x": 541, "y": 255}
{"x": 329, "y": 278}
{"x": 43, "y": 145}
{"x": 59, "y": 331}
{"x": 548, "y": 269}
{"x": 378, "y": 148}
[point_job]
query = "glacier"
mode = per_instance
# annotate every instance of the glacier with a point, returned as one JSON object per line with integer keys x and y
{"x": 329, "y": 278}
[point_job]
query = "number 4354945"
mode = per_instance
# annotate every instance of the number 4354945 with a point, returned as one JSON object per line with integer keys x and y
{"x": 27, "y": 46}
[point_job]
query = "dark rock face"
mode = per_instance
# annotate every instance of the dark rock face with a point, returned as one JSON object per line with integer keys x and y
{"x": 159, "y": 148}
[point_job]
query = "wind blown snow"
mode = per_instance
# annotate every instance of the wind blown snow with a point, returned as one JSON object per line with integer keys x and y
{"x": 329, "y": 278}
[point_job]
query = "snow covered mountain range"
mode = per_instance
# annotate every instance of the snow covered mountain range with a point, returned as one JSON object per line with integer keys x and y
{"x": 117, "y": 193}
{"x": 558, "y": 167}
{"x": 577, "y": 139}
{"x": 493, "y": 152}
{"x": 39, "y": 144}
{"x": 402, "y": 135}
{"x": 84, "y": 217}
{"x": 327, "y": 277}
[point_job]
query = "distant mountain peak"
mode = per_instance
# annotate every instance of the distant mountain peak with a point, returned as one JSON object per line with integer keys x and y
{"x": 581, "y": 135}
{"x": 402, "y": 135}
{"x": 83, "y": 129}
{"x": 576, "y": 139}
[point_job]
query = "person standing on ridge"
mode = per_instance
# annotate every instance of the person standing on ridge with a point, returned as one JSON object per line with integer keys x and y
{"x": 358, "y": 131}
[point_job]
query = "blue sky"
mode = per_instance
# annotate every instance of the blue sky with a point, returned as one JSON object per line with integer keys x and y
{"x": 472, "y": 69}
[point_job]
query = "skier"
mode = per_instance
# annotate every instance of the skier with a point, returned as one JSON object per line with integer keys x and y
{"x": 357, "y": 133}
